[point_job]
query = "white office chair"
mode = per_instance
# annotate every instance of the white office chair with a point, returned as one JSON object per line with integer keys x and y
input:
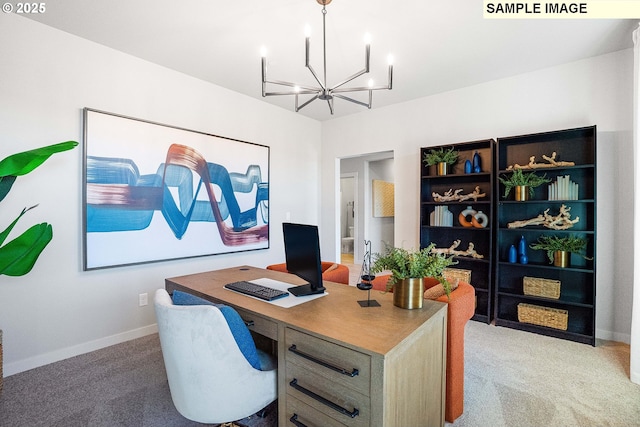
{"x": 210, "y": 379}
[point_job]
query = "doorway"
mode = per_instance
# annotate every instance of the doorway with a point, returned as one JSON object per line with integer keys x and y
{"x": 356, "y": 177}
{"x": 348, "y": 216}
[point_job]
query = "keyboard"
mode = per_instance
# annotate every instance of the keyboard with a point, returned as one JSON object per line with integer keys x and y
{"x": 255, "y": 290}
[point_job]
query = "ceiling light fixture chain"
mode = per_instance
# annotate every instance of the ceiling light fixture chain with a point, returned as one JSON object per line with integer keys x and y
{"x": 324, "y": 92}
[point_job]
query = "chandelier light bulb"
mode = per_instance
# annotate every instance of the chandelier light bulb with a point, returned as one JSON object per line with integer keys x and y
{"x": 367, "y": 38}
{"x": 263, "y": 52}
{"x": 390, "y": 59}
{"x": 307, "y": 31}
{"x": 370, "y": 83}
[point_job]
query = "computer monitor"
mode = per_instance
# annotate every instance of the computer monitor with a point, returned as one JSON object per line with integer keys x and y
{"x": 302, "y": 253}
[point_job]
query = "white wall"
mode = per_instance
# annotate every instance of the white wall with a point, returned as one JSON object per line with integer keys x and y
{"x": 46, "y": 78}
{"x": 595, "y": 91}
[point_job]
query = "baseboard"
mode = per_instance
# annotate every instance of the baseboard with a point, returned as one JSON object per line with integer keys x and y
{"x": 613, "y": 336}
{"x": 76, "y": 350}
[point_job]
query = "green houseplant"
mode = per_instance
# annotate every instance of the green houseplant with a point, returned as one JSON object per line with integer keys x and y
{"x": 18, "y": 256}
{"x": 524, "y": 182}
{"x": 405, "y": 265}
{"x": 442, "y": 158}
{"x": 555, "y": 245}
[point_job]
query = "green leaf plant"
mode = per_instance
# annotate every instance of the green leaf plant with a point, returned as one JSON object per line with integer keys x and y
{"x": 519, "y": 178}
{"x": 18, "y": 256}
{"x": 404, "y": 264}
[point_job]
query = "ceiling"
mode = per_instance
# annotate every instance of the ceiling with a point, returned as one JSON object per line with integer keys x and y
{"x": 437, "y": 45}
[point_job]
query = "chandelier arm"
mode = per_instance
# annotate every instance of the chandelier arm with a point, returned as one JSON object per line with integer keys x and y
{"x": 355, "y": 101}
{"x": 330, "y": 104}
{"x": 307, "y": 103}
{"x": 322, "y": 85}
{"x": 359, "y": 89}
{"x": 289, "y": 84}
{"x": 303, "y": 92}
{"x": 348, "y": 79}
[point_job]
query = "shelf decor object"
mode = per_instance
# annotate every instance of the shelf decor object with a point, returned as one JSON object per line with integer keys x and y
{"x": 543, "y": 316}
{"x": 323, "y": 91}
{"x": 562, "y": 221}
{"x": 539, "y": 287}
{"x": 546, "y": 220}
{"x": 455, "y": 196}
{"x": 552, "y": 245}
{"x": 442, "y": 158}
{"x": 468, "y": 193}
{"x": 563, "y": 189}
{"x": 551, "y": 162}
{"x": 442, "y": 217}
{"x": 522, "y": 183}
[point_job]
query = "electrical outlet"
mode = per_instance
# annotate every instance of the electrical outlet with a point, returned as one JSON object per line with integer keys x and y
{"x": 143, "y": 299}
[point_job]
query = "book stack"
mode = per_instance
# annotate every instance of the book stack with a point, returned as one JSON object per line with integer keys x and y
{"x": 563, "y": 189}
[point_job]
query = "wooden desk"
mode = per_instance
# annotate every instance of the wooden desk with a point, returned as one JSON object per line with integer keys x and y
{"x": 399, "y": 355}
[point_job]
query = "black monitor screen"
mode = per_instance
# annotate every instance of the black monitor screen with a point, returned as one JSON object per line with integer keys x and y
{"x": 302, "y": 252}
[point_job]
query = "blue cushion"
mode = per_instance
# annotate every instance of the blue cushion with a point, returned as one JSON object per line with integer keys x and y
{"x": 239, "y": 330}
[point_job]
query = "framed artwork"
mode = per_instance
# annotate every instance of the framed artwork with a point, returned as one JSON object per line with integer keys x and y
{"x": 383, "y": 198}
{"x": 153, "y": 192}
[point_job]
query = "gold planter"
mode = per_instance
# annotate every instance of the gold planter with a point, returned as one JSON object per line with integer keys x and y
{"x": 408, "y": 293}
{"x": 561, "y": 258}
{"x": 522, "y": 193}
{"x": 443, "y": 168}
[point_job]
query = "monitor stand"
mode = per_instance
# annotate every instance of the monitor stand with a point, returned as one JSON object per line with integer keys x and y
{"x": 304, "y": 290}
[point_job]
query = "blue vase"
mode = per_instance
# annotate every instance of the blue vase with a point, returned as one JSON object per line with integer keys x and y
{"x": 477, "y": 164}
{"x": 513, "y": 254}
{"x": 522, "y": 246}
{"x": 467, "y": 167}
{"x": 522, "y": 251}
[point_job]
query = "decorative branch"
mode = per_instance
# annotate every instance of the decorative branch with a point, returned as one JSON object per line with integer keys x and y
{"x": 562, "y": 221}
{"x": 551, "y": 163}
{"x": 452, "y": 250}
{"x": 451, "y": 196}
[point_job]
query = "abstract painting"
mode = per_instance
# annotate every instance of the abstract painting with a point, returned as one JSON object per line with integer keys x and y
{"x": 154, "y": 192}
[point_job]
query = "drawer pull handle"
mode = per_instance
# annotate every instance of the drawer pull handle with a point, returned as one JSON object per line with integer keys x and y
{"x": 330, "y": 404}
{"x": 343, "y": 371}
{"x": 295, "y": 422}
{"x": 249, "y": 323}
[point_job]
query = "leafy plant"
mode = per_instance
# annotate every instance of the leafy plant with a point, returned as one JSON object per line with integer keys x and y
{"x": 19, "y": 255}
{"x": 440, "y": 155}
{"x": 404, "y": 264}
{"x": 551, "y": 244}
{"x": 519, "y": 178}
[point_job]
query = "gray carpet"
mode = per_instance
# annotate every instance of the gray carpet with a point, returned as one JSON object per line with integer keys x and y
{"x": 515, "y": 378}
{"x": 124, "y": 385}
{"x": 512, "y": 378}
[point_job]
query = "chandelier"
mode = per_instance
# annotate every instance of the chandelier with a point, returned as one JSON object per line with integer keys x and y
{"x": 324, "y": 92}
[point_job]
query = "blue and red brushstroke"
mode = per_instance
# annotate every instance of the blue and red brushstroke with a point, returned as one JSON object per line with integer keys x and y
{"x": 120, "y": 199}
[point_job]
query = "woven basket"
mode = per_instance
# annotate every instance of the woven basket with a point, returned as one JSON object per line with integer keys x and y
{"x": 543, "y": 316}
{"x": 536, "y": 286}
{"x": 452, "y": 274}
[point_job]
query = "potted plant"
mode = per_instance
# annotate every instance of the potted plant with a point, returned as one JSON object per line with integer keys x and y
{"x": 442, "y": 158}
{"x": 408, "y": 269}
{"x": 523, "y": 183}
{"x": 559, "y": 248}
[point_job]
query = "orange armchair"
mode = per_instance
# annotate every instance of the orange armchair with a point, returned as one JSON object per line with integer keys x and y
{"x": 461, "y": 308}
{"x": 331, "y": 272}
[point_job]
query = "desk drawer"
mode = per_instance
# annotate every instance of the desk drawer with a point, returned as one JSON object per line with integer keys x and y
{"x": 300, "y": 414}
{"x": 337, "y": 364}
{"x": 336, "y": 401}
{"x": 258, "y": 324}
